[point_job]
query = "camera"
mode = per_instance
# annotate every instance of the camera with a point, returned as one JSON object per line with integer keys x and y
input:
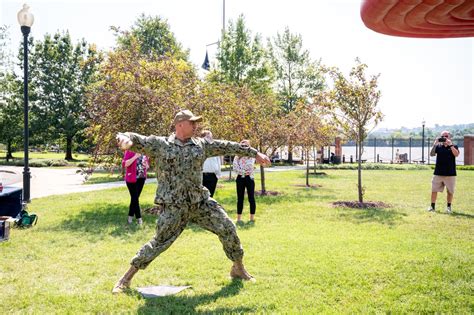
{"x": 442, "y": 139}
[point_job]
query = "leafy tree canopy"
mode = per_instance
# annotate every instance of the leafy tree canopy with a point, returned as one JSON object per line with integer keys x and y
{"x": 242, "y": 59}
{"x": 298, "y": 77}
{"x": 60, "y": 74}
{"x": 153, "y": 37}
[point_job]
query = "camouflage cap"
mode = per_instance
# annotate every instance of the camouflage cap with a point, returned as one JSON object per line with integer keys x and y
{"x": 185, "y": 114}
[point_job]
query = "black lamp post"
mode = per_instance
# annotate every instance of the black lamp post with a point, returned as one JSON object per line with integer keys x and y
{"x": 26, "y": 20}
{"x": 423, "y": 143}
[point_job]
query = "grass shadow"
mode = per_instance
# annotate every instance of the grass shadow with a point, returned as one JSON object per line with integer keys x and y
{"x": 178, "y": 304}
{"x": 103, "y": 219}
{"x": 266, "y": 200}
{"x": 460, "y": 214}
{"x": 240, "y": 226}
{"x": 314, "y": 175}
{"x": 388, "y": 217}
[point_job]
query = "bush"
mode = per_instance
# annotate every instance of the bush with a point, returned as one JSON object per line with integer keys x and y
{"x": 460, "y": 167}
{"x": 465, "y": 167}
{"x": 371, "y": 166}
{"x": 58, "y": 163}
{"x": 37, "y": 163}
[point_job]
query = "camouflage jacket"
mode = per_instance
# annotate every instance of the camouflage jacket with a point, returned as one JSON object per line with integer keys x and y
{"x": 179, "y": 165}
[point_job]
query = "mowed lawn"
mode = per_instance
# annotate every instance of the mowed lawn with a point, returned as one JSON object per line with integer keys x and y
{"x": 307, "y": 256}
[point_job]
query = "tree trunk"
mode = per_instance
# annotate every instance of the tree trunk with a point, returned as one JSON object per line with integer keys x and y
{"x": 315, "y": 158}
{"x": 307, "y": 168}
{"x": 68, "y": 148}
{"x": 262, "y": 179}
{"x": 359, "y": 173}
{"x": 9, "y": 151}
{"x": 230, "y": 169}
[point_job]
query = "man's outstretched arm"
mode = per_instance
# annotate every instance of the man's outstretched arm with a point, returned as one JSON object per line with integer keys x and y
{"x": 138, "y": 143}
{"x": 223, "y": 147}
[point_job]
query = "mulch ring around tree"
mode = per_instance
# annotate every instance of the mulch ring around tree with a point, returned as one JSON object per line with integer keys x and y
{"x": 361, "y": 205}
{"x": 267, "y": 193}
{"x": 318, "y": 174}
{"x": 310, "y": 186}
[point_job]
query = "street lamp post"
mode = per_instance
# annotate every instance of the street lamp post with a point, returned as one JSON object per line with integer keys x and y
{"x": 26, "y": 20}
{"x": 205, "y": 64}
{"x": 423, "y": 143}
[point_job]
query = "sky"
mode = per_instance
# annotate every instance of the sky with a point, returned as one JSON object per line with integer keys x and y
{"x": 429, "y": 80}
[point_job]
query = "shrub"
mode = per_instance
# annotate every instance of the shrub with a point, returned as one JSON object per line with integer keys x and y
{"x": 460, "y": 167}
{"x": 37, "y": 163}
{"x": 58, "y": 163}
{"x": 371, "y": 166}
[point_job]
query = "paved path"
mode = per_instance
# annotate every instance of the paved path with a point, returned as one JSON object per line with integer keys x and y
{"x": 50, "y": 181}
{"x": 53, "y": 181}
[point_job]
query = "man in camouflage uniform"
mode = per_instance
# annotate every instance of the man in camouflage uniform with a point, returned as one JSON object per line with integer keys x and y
{"x": 180, "y": 194}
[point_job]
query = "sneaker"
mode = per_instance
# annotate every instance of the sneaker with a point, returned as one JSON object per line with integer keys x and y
{"x": 448, "y": 210}
{"x": 431, "y": 209}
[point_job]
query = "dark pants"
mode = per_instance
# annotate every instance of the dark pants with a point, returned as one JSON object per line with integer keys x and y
{"x": 209, "y": 180}
{"x": 135, "y": 189}
{"x": 243, "y": 183}
{"x": 172, "y": 220}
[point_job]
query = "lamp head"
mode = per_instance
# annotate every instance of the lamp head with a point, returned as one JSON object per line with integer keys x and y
{"x": 25, "y": 18}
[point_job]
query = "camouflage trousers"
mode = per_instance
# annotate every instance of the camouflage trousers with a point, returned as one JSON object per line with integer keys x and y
{"x": 172, "y": 220}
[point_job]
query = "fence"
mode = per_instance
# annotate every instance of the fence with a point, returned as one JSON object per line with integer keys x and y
{"x": 387, "y": 150}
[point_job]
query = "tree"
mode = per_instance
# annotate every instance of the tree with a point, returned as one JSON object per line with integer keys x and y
{"x": 60, "y": 75}
{"x": 11, "y": 100}
{"x": 242, "y": 60}
{"x": 4, "y": 53}
{"x": 298, "y": 77}
{"x": 355, "y": 109}
{"x": 311, "y": 129}
{"x": 139, "y": 95}
{"x": 11, "y": 113}
{"x": 153, "y": 37}
{"x": 237, "y": 112}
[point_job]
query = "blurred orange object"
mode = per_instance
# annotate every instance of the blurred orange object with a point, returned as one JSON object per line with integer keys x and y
{"x": 420, "y": 18}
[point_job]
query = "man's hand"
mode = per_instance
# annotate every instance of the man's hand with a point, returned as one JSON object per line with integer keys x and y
{"x": 123, "y": 141}
{"x": 262, "y": 159}
{"x": 448, "y": 142}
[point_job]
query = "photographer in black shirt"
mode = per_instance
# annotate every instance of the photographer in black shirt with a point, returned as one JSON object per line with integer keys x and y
{"x": 445, "y": 170}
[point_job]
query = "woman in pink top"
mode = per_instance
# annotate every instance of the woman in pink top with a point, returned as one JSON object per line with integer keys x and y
{"x": 244, "y": 167}
{"x": 135, "y": 166}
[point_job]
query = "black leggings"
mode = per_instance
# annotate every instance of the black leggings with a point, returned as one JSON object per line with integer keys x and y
{"x": 135, "y": 189}
{"x": 242, "y": 183}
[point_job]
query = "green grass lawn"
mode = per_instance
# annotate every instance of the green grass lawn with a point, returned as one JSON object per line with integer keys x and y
{"x": 307, "y": 256}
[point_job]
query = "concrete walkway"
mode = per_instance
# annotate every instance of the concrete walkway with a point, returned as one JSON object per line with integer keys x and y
{"x": 51, "y": 181}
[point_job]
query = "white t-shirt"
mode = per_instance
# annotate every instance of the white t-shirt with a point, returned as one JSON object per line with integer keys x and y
{"x": 212, "y": 165}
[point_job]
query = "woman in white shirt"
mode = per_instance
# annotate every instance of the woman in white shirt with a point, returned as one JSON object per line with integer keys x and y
{"x": 244, "y": 167}
{"x": 211, "y": 170}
